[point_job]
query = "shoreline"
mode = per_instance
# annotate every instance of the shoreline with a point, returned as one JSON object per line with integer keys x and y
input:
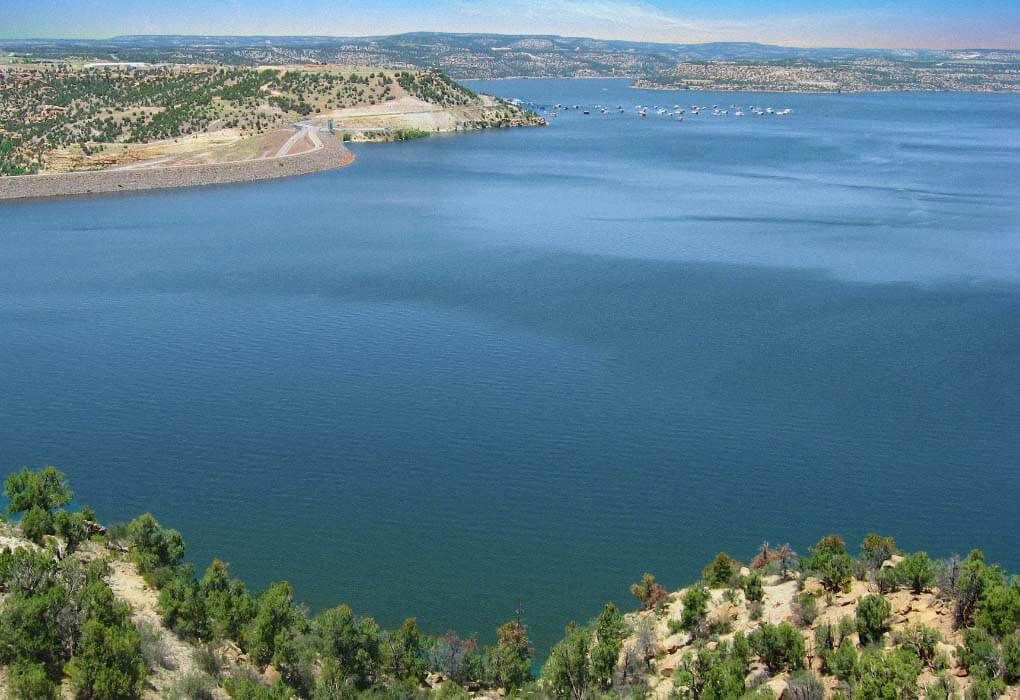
{"x": 330, "y": 155}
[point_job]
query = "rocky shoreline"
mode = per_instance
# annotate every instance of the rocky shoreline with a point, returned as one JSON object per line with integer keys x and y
{"x": 332, "y": 155}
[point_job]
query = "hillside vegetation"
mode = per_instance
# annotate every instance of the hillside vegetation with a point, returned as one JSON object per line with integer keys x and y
{"x": 90, "y": 612}
{"x": 55, "y": 114}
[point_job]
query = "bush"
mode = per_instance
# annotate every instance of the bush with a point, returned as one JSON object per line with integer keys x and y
{"x": 755, "y": 610}
{"x": 890, "y": 675}
{"x": 964, "y": 583}
{"x": 709, "y": 673}
{"x": 979, "y": 653}
{"x": 872, "y": 618}
{"x": 921, "y": 640}
{"x": 403, "y": 655}
{"x": 916, "y": 571}
{"x": 887, "y": 580}
{"x": 351, "y": 642}
{"x": 73, "y": 527}
{"x": 648, "y": 591}
{"x": 207, "y": 661}
{"x": 29, "y": 681}
{"x": 842, "y": 662}
{"x": 567, "y": 671}
{"x": 804, "y": 685}
{"x": 45, "y": 489}
{"x": 1011, "y": 657}
{"x": 276, "y": 616}
{"x": 695, "y": 605}
{"x": 876, "y": 550}
{"x": 155, "y": 649}
{"x": 982, "y": 688}
{"x": 999, "y": 608}
{"x": 508, "y": 663}
{"x": 154, "y": 547}
{"x": 805, "y": 609}
{"x": 108, "y": 662}
{"x": 451, "y": 691}
{"x": 753, "y": 588}
{"x": 944, "y": 687}
{"x": 830, "y": 562}
{"x": 721, "y": 571}
{"x": 610, "y": 629}
{"x": 36, "y": 524}
{"x": 242, "y": 686}
{"x": 193, "y": 686}
{"x": 182, "y": 608}
{"x": 780, "y": 647}
{"x": 826, "y": 638}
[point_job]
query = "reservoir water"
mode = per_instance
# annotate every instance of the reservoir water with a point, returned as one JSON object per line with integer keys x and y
{"x": 524, "y": 367}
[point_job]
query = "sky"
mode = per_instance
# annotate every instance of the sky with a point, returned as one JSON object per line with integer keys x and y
{"x": 837, "y": 23}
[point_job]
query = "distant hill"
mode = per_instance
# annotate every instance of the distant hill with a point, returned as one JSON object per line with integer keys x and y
{"x": 468, "y": 55}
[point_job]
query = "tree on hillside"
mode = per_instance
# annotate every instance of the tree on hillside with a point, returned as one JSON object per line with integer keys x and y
{"x": 648, "y": 591}
{"x": 508, "y": 663}
{"x": 46, "y": 489}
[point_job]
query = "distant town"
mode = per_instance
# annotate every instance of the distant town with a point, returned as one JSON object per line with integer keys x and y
{"x": 463, "y": 56}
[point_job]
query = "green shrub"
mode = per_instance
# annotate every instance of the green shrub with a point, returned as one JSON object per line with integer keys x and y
{"x": 154, "y": 547}
{"x": 921, "y": 640}
{"x": 805, "y": 609}
{"x": 207, "y": 661}
{"x": 887, "y": 580}
{"x": 842, "y": 662}
{"x": 721, "y": 571}
{"x": 695, "y": 605}
{"x": 30, "y": 681}
{"x": 610, "y": 630}
{"x": 403, "y": 653}
{"x": 108, "y": 662}
{"x": 272, "y": 622}
{"x": 451, "y": 691}
{"x": 876, "y": 550}
{"x": 830, "y": 562}
{"x": 242, "y": 686}
{"x": 982, "y": 688}
{"x": 45, "y": 489}
{"x": 999, "y": 608}
{"x": 944, "y": 687}
{"x": 755, "y": 610}
{"x": 567, "y": 672}
{"x": 1011, "y": 657}
{"x": 872, "y": 618}
{"x": 780, "y": 647}
{"x": 182, "y": 608}
{"x": 229, "y": 604}
{"x": 508, "y": 663}
{"x": 36, "y": 524}
{"x": 979, "y": 653}
{"x": 73, "y": 527}
{"x": 350, "y": 641}
{"x": 753, "y": 588}
{"x": 715, "y": 674}
{"x": 193, "y": 686}
{"x": 917, "y": 571}
{"x": 887, "y": 675}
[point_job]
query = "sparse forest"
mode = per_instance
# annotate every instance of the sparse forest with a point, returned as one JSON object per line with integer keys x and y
{"x": 882, "y": 624}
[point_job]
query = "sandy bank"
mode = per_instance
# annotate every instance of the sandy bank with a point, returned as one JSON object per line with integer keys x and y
{"x": 331, "y": 155}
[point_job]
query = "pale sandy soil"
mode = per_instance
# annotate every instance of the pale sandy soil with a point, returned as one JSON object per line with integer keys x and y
{"x": 907, "y": 609}
{"x": 405, "y": 112}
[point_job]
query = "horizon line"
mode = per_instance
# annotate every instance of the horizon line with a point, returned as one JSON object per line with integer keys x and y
{"x": 500, "y": 34}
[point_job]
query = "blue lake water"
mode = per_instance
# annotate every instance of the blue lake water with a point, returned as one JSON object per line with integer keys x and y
{"x": 527, "y": 366}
